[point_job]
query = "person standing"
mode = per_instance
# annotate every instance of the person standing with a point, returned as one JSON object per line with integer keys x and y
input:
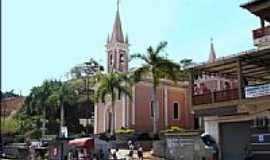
{"x": 101, "y": 154}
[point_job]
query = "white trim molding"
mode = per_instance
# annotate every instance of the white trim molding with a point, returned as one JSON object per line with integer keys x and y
{"x": 166, "y": 105}
{"x": 133, "y": 104}
{"x": 123, "y": 111}
{"x": 96, "y": 119}
{"x": 105, "y": 113}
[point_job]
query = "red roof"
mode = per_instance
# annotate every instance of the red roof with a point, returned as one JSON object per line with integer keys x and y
{"x": 83, "y": 142}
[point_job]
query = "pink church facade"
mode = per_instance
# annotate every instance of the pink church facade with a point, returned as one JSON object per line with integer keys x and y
{"x": 173, "y": 101}
{"x": 172, "y": 104}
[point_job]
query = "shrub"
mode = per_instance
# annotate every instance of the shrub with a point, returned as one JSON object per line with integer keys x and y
{"x": 173, "y": 129}
{"x": 125, "y": 131}
{"x": 10, "y": 125}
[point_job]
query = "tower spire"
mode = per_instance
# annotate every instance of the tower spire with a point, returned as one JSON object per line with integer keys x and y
{"x": 117, "y": 54}
{"x": 118, "y": 2}
{"x": 117, "y": 34}
{"x": 212, "y": 54}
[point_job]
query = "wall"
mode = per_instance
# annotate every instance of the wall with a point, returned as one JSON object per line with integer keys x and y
{"x": 11, "y": 104}
{"x": 212, "y": 123}
{"x": 136, "y": 114}
{"x": 178, "y": 95}
{"x": 211, "y": 127}
{"x": 100, "y": 118}
{"x": 143, "y": 121}
{"x": 167, "y": 95}
{"x": 186, "y": 146}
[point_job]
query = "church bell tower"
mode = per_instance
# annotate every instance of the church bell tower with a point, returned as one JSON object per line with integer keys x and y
{"x": 117, "y": 47}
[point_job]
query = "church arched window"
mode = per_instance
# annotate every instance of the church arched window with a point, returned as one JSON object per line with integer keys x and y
{"x": 122, "y": 58}
{"x": 111, "y": 59}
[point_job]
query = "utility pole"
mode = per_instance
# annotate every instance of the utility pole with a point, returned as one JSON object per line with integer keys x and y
{"x": 91, "y": 67}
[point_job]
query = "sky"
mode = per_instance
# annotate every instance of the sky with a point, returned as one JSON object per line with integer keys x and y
{"x": 44, "y": 39}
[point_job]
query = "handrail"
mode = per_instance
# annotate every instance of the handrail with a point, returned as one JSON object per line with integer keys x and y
{"x": 217, "y": 96}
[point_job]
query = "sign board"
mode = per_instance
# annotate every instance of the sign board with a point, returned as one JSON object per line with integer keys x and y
{"x": 257, "y": 91}
{"x": 64, "y": 131}
{"x": 260, "y": 138}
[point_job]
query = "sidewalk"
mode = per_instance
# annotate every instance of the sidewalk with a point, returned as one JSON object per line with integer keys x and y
{"x": 123, "y": 154}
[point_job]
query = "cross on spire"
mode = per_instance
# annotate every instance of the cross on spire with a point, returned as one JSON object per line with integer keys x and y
{"x": 118, "y": 2}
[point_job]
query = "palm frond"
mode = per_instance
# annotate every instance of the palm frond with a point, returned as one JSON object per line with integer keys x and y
{"x": 167, "y": 69}
{"x": 109, "y": 84}
{"x": 162, "y": 45}
{"x": 138, "y": 74}
{"x": 101, "y": 92}
{"x": 139, "y": 56}
{"x": 124, "y": 89}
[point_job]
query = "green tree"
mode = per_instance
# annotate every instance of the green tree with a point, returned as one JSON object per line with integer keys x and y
{"x": 64, "y": 95}
{"x": 157, "y": 67}
{"x": 108, "y": 86}
{"x": 88, "y": 68}
{"x": 45, "y": 102}
{"x": 34, "y": 109}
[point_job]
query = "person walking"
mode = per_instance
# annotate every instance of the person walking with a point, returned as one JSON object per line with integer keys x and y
{"x": 114, "y": 154}
{"x": 131, "y": 150}
{"x": 140, "y": 153}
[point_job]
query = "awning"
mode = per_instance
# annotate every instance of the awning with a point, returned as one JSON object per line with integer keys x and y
{"x": 83, "y": 142}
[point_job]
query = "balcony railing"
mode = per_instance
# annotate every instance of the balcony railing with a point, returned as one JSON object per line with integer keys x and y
{"x": 217, "y": 96}
{"x": 261, "y": 36}
{"x": 252, "y": 91}
{"x": 226, "y": 95}
{"x": 202, "y": 99}
{"x": 261, "y": 32}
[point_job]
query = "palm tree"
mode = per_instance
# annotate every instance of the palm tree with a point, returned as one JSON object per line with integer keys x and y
{"x": 63, "y": 95}
{"x": 157, "y": 67}
{"x": 109, "y": 84}
{"x": 44, "y": 94}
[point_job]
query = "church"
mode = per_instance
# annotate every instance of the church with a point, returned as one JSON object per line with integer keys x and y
{"x": 173, "y": 100}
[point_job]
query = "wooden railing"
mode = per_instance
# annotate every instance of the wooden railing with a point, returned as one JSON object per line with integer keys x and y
{"x": 226, "y": 95}
{"x": 202, "y": 99}
{"x": 217, "y": 96}
{"x": 261, "y": 32}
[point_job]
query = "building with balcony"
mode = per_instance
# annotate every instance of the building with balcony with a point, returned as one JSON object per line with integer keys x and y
{"x": 235, "y": 107}
{"x": 260, "y": 8}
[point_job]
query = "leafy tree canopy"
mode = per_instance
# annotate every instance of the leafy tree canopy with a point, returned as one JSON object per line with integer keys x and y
{"x": 46, "y": 97}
